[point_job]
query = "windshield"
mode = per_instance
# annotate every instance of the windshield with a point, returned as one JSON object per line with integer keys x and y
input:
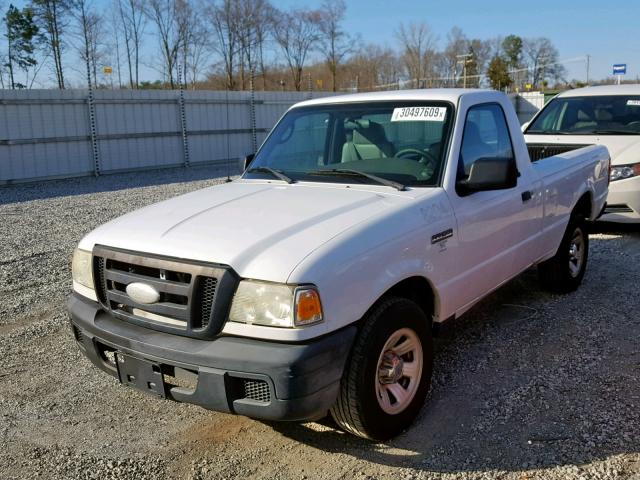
{"x": 393, "y": 144}
{"x": 601, "y": 115}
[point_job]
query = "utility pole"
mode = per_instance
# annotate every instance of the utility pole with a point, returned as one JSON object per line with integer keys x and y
{"x": 588, "y": 61}
{"x": 465, "y": 58}
{"x": 543, "y": 60}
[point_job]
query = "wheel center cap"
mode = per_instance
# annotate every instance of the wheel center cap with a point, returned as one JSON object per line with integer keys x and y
{"x": 390, "y": 370}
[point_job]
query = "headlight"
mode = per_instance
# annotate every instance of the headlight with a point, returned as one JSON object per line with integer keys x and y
{"x": 624, "y": 171}
{"x": 81, "y": 268}
{"x": 275, "y": 305}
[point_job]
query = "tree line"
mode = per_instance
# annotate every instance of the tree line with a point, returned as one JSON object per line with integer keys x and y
{"x": 239, "y": 44}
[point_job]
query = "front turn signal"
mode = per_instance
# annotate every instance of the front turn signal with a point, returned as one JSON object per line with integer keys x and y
{"x": 308, "y": 307}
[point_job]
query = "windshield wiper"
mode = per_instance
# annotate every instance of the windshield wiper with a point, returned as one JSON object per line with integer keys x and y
{"x": 370, "y": 176}
{"x": 275, "y": 173}
{"x": 549, "y": 132}
{"x": 613, "y": 131}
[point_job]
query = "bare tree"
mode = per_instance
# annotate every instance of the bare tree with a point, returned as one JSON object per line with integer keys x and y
{"x": 115, "y": 28}
{"x": 296, "y": 33}
{"x": 88, "y": 30}
{"x": 335, "y": 42}
{"x": 457, "y": 45}
{"x": 170, "y": 26}
{"x": 50, "y": 15}
{"x": 263, "y": 27}
{"x": 542, "y": 60}
{"x": 479, "y": 53}
{"x": 132, "y": 22}
{"x": 245, "y": 22}
{"x": 252, "y": 20}
{"x": 375, "y": 67}
{"x": 418, "y": 44}
{"x": 222, "y": 18}
{"x": 195, "y": 48}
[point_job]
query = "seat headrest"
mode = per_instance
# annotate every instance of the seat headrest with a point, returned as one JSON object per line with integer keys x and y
{"x": 372, "y": 134}
{"x": 583, "y": 116}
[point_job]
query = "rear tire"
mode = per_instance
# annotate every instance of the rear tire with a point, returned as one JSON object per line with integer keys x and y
{"x": 563, "y": 273}
{"x": 388, "y": 373}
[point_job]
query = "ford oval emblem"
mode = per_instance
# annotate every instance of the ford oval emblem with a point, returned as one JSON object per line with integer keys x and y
{"x": 142, "y": 293}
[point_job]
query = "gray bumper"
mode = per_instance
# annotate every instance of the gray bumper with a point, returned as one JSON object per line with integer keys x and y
{"x": 302, "y": 379}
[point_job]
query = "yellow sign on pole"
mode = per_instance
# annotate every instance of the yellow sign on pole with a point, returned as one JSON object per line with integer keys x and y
{"x": 107, "y": 70}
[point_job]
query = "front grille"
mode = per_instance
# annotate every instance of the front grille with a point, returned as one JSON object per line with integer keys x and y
{"x": 98, "y": 268}
{"x": 618, "y": 208}
{"x": 194, "y": 298}
{"x": 205, "y": 293}
{"x": 257, "y": 390}
{"x": 538, "y": 151}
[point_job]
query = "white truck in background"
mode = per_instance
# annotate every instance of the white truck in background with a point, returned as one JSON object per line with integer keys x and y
{"x": 604, "y": 115}
{"x": 312, "y": 283}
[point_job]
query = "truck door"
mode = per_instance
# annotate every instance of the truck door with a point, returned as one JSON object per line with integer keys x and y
{"x": 495, "y": 227}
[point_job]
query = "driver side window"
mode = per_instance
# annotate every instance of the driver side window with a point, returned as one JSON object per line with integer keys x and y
{"x": 486, "y": 136}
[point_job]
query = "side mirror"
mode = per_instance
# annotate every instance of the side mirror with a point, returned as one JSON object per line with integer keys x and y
{"x": 489, "y": 174}
{"x": 246, "y": 161}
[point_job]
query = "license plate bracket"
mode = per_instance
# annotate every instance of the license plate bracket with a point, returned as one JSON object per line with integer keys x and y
{"x": 141, "y": 374}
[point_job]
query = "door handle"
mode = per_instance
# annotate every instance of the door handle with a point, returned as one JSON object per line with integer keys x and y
{"x": 526, "y": 196}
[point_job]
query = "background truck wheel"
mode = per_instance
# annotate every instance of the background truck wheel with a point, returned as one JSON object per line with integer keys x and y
{"x": 563, "y": 272}
{"x": 389, "y": 372}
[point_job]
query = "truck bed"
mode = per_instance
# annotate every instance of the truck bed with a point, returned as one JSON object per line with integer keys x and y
{"x": 538, "y": 151}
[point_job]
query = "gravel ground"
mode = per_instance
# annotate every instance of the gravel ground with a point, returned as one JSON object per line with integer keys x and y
{"x": 528, "y": 385}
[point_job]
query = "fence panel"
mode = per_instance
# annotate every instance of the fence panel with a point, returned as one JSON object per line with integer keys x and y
{"x": 45, "y": 134}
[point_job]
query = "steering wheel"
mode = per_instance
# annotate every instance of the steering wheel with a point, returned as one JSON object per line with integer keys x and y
{"x": 425, "y": 156}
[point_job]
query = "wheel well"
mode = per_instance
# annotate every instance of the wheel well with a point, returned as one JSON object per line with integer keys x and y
{"x": 417, "y": 289}
{"x": 583, "y": 207}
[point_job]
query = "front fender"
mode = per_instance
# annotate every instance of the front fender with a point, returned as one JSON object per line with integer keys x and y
{"x": 353, "y": 271}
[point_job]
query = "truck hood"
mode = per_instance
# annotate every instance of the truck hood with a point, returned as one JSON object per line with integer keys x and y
{"x": 624, "y": 149}
{"x": 261, "y": 229}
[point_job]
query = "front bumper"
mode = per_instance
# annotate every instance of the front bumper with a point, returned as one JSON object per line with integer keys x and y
{"x": 296, "y": 381}
{"x": 623, "y": 201}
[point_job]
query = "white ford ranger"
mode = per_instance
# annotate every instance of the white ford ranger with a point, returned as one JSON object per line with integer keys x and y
{"x": 605, "y": 115}
{"x": 312, "y": 283}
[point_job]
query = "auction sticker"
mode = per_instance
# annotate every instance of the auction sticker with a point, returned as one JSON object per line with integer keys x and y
{"x": 419, "y": 114}
{"x": 633, "y": 103}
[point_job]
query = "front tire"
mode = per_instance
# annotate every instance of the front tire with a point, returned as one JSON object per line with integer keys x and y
{"x": 388, "y": 373}
{"x": 563, "y": 273}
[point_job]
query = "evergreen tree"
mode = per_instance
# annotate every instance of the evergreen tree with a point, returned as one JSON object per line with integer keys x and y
{"x": 22, "y": 38}
{"x": 498, "y": 74}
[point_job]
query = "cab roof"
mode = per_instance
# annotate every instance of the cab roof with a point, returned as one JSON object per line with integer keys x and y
{"x": 452, "y": 95}
{"x": 627, "y": 89}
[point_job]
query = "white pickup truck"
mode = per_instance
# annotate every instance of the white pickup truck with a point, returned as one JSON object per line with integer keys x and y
{"x": 312, "y": 283}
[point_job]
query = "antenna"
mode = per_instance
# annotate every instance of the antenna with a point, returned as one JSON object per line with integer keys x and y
{"x": 227, "y": 135}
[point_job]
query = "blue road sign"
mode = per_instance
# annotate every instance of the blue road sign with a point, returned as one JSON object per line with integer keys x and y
{"x": 620, "y": 69}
